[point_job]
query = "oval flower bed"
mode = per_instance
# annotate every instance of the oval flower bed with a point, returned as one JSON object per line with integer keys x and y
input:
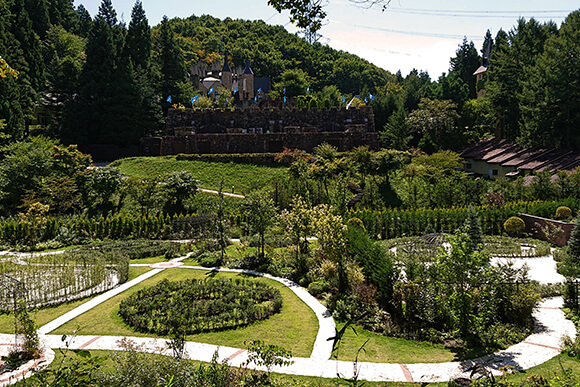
{"x": 200, "y": 305}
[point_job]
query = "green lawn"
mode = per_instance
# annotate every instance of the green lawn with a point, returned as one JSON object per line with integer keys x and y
{"x": 149, "y": 260}
{"x": 383, "y": 349}
{"x": 243, "y": 177}
{"x": 294, "y": 328}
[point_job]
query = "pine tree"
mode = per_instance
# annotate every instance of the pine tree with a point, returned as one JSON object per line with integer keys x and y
{"x": 464, "y": 64}
{"x": 38, "y": 12}
{"x": 172, "y": 65}
{"x": 100, "y": 79}
{"x": 473, "y": 226}
{"x": 573, "y": 249}
{"x": 138, "y": 43}
{"x": 85, "y": 22}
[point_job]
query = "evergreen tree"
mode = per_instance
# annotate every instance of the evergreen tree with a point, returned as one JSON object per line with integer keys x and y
{"x": 172, "y": 66}
{"x": 463, "y": 65}
{"x": 473, "y": 229}
{"x": 513, "y": 53}
{"x": 98, "y": 83}
{"x": 550, "y": 100}
{"x": 85, "y": 22}
{"x": 62, "y": 13}
{"x": 38, "y": 12}
{"x": 138, "y": 45}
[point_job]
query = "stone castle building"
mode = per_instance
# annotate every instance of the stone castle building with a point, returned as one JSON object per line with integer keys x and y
{"x": 250, "y": 129}
{"x": 242, "y": 83}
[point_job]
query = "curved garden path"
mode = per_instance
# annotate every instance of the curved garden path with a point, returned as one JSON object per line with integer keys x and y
{"x": 542, "y": 345}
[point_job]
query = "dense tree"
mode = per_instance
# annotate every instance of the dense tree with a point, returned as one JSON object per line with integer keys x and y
{"x": 512, "y": 54}
{"x": 171, "y": 63}
{"x": 464, "y": 64}
{"x": 434, "y": 124}
{"x": 551, "y": 90}
{"x": 138, "y": 45}
{"x": 41, "y": 170}
{"x": 103, "y": 86}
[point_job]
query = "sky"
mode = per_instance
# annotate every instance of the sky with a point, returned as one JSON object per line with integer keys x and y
{"x": 408, "y": 34}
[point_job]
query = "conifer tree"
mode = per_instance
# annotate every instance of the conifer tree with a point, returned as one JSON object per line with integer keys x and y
{"x": 473, "y": 225}
{"x": 99, "y": 80}
{"x": 138, "y": 43}
{"x": 171, "y": 61}
{"x": 85, "y": 22}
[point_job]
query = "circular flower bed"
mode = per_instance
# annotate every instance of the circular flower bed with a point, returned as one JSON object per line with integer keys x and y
{"x": 195, "y": 306}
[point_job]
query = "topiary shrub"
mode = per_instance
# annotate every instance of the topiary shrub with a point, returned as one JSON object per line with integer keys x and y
{"x": 514, "y": 226}
{"x": 563, "y": 212}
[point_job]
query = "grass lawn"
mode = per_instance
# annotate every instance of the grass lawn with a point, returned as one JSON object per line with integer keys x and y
{"x": 45, "y": 315}
{"x": 243, "y": 177}
{"x": 157, "y": 259}
{"x": 294, "y": 328}
{"x": 383, "y": 349}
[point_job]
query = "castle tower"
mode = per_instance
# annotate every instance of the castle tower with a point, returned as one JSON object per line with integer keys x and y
{"x": 248, "y": 82}
{"x": 227, "y": 74}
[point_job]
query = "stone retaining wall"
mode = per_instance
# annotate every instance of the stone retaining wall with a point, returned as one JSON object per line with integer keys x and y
{"x": 549, "y": 230}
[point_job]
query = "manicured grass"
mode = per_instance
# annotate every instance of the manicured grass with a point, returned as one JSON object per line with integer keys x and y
{"x": 294, "y": 328}
{"x": 383, "y": 349}
{"x": 45, "y": 315}
{"x": 157, "y": 259}
{"x": 243, "y": 177}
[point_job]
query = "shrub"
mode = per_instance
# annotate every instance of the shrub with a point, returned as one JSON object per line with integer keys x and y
{"x": 316, "y": 288}
{"x": 194, "y": 306}
{"x": 514, "y": 225}
{"x": 356, "y": 222}
{"x": 563, "y": 212}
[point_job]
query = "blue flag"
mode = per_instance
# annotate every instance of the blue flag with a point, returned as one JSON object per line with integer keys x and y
{"x": 259, "y": 90}
{"x": 372, "y": 97}
{"x": 284, "y": 90}
{"x": 210, "y": 91}
{"x": 308, "y": 90}
{"x": 256, "y": 99}
{"x": 284, "y": 99}
{"x": 235, "y": 90}
{"x": 195, "y": 99}
{"x": 366, "y": 100}
{"x": 169, "y": 99}
{"x": 343, "y": 100}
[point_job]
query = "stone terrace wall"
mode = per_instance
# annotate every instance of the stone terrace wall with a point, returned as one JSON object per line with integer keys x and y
{"x": 253, "y": 143}
{"x": 182, "y": 121}
{"x": 261, "y": 131}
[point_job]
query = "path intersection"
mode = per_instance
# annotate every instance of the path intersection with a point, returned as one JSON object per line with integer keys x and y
{"x": 542, "y": 345}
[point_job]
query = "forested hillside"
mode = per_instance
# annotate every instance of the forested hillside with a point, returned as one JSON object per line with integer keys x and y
{"x": 87, "y": 79}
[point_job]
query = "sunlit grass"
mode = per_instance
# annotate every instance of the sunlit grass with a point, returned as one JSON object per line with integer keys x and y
{"x": 294, "y": 328}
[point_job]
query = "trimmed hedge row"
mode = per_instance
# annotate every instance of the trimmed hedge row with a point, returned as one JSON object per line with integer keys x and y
{"x": 386, "y": 224}
{"x": 248, "y": 158}
{"x": 394, "y": 223}
{"x": 18, "y": 231}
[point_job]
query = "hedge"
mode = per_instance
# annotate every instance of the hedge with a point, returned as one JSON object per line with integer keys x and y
{"x": 394, "y": 223}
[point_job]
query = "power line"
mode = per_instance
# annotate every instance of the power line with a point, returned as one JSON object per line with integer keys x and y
{"x": 543, "y": 14}
{"x": 414, "y": 33}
